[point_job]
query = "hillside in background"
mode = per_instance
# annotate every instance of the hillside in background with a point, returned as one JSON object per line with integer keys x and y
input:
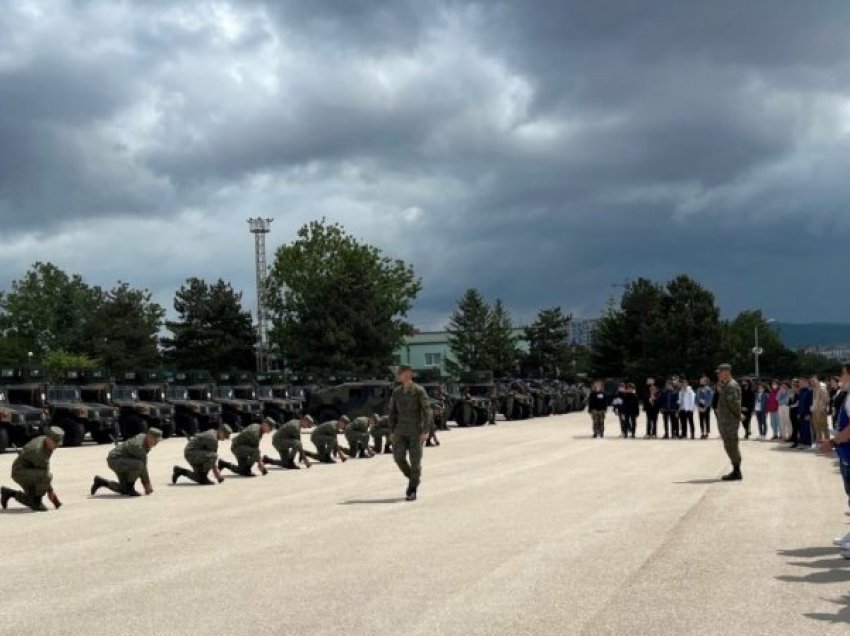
{"x": 813, "y": 334}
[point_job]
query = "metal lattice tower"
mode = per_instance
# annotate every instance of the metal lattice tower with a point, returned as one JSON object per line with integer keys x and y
{"x": 259, "y": 228}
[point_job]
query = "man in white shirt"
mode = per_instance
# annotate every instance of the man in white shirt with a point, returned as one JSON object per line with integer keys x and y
{"x": 687, "y": 404}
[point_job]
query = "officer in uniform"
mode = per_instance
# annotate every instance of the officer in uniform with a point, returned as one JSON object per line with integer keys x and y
{"x": 202, "y": 452}
{"x": 410, "y": 417}
{"x": 246, "y": 449}
{"x": 31, "y": 470}
{"x": 324, "y": 438}
{"x": 357, "y": 435}
{"x": 287, "y": 442}
{"x": 129, "y": 461}
{"x": 729, "y": 418}
{"x": 380, "y": 432}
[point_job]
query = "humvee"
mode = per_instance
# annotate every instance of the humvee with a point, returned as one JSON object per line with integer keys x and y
{"x": 19, "y": 423}
{"x": 350, "y": 398}
{"x": 514, "y": 401}
{"x": 274, "y": 397}
{"x": 191, "y": 414}
{"x": 134, "y": 415}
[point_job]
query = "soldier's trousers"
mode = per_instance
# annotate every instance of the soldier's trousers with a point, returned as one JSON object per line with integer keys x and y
{"x": 729, "y": 433}
{"x": 34, "y": 482}
{"x": 598, "y": 419}
{"x": 324, "y": 450}
{"x": 127, "y": 470}
{"x": 202, "y": 464}
{"x": 289, "y": 451}
{"x": 245, "y": 458}
{"x": 404, "y": 447}
{"x": 357, "y": 444}
{"x": 378, "y": 441}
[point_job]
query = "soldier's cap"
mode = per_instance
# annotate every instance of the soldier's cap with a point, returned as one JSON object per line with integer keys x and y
{"x": 270, "y": 421}
{"x": 55, "y": 433}
{"x": 226, "y": 428}
{"x": 345, "y": 418}
{"x": 310, "y": 419}
{"x": 404, "y": 367}
{"x": 155, "y": 433}
{"x": 724, "y": 367}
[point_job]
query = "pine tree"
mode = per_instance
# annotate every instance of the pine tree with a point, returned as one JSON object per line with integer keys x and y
{"x": 468, "y": 335}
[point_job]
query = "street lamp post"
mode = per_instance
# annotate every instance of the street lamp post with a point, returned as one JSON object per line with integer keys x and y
{"x": 757, "y": 350}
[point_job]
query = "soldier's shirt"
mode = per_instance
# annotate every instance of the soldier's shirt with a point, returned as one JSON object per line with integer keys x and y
{"x": 248, "y": 438}
{"x": 206, "y": 442}
{"x": 33, "y": 456}
{"x": 133, "y": 448}
{"x": 290, "y": 430}
{"x": 729, "y": 403}
{"x": 410, "y": 410}
{"x": 325, "y": 431}
{"x": 358, "y": 424}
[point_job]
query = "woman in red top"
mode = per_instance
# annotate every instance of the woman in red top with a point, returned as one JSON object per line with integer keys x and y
{"x": 773, "y": 408}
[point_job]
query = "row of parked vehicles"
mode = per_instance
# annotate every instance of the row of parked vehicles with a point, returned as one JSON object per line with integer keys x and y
{"x": 96, "y": 405}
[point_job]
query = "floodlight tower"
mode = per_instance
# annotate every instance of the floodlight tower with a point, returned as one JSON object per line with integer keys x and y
{"x": 259, "y": 227}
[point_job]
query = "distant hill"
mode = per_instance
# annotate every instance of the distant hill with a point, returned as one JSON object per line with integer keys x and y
{"x": 813, "y": 334}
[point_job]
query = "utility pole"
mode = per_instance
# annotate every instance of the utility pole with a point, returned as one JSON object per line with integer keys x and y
{"x": 259, "y": 227}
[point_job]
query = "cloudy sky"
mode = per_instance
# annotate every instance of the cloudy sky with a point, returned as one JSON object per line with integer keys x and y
{"x": 541, "y": 151}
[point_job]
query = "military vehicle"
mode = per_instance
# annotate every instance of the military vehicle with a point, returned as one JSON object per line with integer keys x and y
{"x": 472, "y": 402}
{"x": 19, "y": 423}
{"x": 190, "y": 416}
{"x": 514, "y": 400}
{"x": 349, "y": 398}
{"x": 239, "y": 406}
{"x": 66, "y": 409}
{"x": 134, "y": 415}
{"x": 275, "y": 400}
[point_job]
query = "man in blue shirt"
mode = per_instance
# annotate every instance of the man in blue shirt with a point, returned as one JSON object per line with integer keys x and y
{"x": 804, "y": 413}
{"x": 705, "y": 398}
{"x": 841, "y": 445}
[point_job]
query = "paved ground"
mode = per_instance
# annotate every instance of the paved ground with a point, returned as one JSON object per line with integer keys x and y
{"x": 522, "y": 528}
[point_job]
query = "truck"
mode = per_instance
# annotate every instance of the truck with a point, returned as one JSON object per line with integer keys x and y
{"x": 19, "y": 423}
{"x": 275, "y": 400}
{"x": 134, "y": 415}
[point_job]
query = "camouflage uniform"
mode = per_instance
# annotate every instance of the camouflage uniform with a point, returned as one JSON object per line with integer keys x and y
{"x": 324, "y": 438}
{"x": 31, "y": 470}
{"x": 129, "y": 461}
{"x": 381, "y": 433}
{"x": 410, "y": 417}
{"x": 287, "y": 442}
{"x": 246, "y": 449}
{"x": 357, "y": 435}
{"x": 729, "y": 419}
{"x": 201, "y": 452}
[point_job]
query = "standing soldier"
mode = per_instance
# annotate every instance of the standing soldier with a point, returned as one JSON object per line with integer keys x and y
{"x": 129, "y": 461}
{"x": 324, "y": 438}
{"x": 246, "y": 449}
{"x": 381, "y": 432}
{"x": 357, "y": 435}
{"x": 202, "y": 452}
{"x": 31, "y": 470}
{"x": 410, "y": 414}
{"x": 287, "y": 442}
{"x": 729, "y": 418}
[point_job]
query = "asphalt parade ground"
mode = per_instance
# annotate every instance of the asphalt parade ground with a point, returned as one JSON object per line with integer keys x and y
{"x": 521, "y": 528}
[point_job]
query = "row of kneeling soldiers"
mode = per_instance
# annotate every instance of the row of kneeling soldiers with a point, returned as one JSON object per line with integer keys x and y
{"x": 128, "y": 460}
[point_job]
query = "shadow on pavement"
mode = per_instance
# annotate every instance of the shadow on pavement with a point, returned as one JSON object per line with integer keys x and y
{"x": 349, "y": 502}
{"x": 828, "y": 571}
{"x": 700, "y": 481}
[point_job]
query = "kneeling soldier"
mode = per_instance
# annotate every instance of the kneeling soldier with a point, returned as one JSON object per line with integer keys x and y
{"x": 357, "y": 435}
{"x": 287, "y": 442}
{"x": 246, "y": 448}
{"x": 381, "y": 432}
{"x": 324, "y": 438}
{"x": 201, "y": 453}
{"x": 31, "y": 469}
{"x": 129, "y": 461}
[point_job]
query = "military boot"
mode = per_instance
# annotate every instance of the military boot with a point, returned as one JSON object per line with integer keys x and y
{"x": 273, "y": 462}
{"x": 129, "y": 491}
{"x": 735, "y": 475}
{"x": 176, "y": 473}
{"x": 35, "y": 503}
{"x": 5, "y": 495}
{"x": 99, "y": 482}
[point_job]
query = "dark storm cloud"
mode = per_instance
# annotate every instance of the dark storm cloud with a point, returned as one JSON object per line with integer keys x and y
{"x": 541, "y": 151}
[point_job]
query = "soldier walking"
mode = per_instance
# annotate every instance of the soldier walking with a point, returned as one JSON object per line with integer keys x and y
{"x": 410, "y": 414}
{"x": 202, "y": 453}
{"x": 31, "y": 470}
{"x": 129, "y": 461}
{"x": 246, "y": 449}
{"x": 357, "y": 435}
{"x": 729, "y": 418}
{"x": 287, "y": 442}
{"x": 324, "y": 438}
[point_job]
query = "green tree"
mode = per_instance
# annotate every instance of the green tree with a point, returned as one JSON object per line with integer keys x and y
{"x": 338, "y": 306}
{"x": 212, "y": 331}
{"x": 124, "y": 332}
{"x": 501, "y": 343}
{"x": 739, "y": 339}
{"x": 549, "y": 351}
{"x": 58, "y": 361}
{"x": 469, "y": 329}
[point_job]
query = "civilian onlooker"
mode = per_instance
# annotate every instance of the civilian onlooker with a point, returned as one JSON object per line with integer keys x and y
{"x": 760, "y": 409}
{"x": 784, "y": 413}
{"x": 820, "y": 411}
{"x": 772, "y": 408}
{"x": 630, "y": 410}
{"x": 804, "y": 413}
{"x": 670, "y": 409}
{"x": 652, "y": 406}
{"x": 841, "y": 445}
{"x": 597, "y": 406}
{"x": 794, "y": 412}
{"x": 617, "y": 406}
{"x": 705, "y": 401}
{"x": 748, "y": 400}
{"x": 687, "y": 403}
